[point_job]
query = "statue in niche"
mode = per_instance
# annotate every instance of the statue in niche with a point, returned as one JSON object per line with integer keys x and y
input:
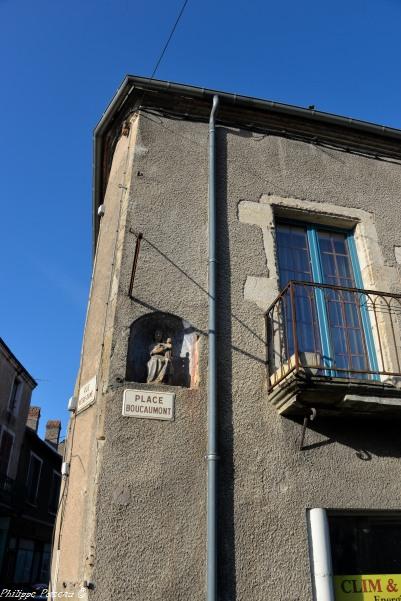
{"x": 160, "y": 368}
{"x": 163, "y": 348}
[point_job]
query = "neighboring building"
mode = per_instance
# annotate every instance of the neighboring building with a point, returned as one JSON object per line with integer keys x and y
{"x": 16, "y": 386}
{"x": 308, "y": 355}
{"x": 35, "y": 499}
{"x": 30, "y": 476}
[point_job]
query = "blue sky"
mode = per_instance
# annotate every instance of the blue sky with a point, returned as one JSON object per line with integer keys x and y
{"x": 61, "y": 62}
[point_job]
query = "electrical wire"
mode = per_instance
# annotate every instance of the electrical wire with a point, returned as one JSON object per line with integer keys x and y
{"x": 322, "y": 143}
{"x": 267, "y": 131}
{"x": 169, "y": 39}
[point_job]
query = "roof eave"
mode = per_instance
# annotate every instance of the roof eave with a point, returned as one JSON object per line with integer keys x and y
{"x": 132, "y": 82}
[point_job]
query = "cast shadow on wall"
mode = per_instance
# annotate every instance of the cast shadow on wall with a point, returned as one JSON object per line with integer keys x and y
{"x": 369, "y": 437}
{"x": 163, "y": 348}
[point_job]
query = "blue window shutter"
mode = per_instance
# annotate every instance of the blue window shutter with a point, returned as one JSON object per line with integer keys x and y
{"x": 320, "y": 300}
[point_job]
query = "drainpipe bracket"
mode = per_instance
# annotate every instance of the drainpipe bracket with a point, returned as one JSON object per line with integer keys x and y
{"x": 212, "y": 457}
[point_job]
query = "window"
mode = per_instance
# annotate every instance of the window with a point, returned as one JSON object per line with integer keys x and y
{"x": 6, "y": 445}
{"x": 44, "y": 575}
{"x": 15, "y": 396}
{"x": 54, "y": 492}
{"x": 359, "y": 553}
{"x": 32, "y": 483}
{"x": 365, "y": 544}
{"x": 327, "y": 319}
{"x": 24, "y": 559}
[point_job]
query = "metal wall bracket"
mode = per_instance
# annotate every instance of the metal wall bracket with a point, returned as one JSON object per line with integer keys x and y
{"x": 139, "y": 237}
{"x": 307, "y": 418}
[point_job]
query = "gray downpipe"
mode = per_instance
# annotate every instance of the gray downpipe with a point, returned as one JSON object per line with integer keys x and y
{"x": 212, "y": 447}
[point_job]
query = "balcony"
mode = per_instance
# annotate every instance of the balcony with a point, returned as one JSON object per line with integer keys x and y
{"x": 335, "y": 349}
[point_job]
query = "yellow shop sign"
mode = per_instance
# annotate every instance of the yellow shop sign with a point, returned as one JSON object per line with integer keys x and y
{"x": 372, "y": 587}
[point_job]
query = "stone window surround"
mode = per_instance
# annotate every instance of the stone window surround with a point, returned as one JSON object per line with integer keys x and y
{"x": 376, "y": 275}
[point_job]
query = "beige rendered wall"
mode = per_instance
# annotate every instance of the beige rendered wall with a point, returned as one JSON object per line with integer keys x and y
{"x": 73, "y": 550}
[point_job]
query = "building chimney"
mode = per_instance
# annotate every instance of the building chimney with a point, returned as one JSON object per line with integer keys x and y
{"x": 33, "y": 418}
{"x": 52, "y": 435}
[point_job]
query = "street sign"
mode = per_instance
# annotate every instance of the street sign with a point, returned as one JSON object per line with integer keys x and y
{"x": 148, "y": 404}
{"x": 87, "y": 394}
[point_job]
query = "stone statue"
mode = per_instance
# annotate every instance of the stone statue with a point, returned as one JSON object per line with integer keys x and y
{"x": 160, "y": 368}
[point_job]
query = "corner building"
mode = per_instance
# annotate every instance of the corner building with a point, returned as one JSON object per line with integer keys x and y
{"x": 308, "y": 356}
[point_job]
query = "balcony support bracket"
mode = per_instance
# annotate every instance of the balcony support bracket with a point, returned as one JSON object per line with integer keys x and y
{"x": 308, "y": 418}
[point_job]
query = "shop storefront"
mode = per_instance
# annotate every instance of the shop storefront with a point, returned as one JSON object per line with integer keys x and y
{"x": 355, "y": 556}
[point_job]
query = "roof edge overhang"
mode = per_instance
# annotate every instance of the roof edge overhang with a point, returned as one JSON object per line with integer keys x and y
{"x": 20, "y": 369}
{"x": 144, "y": 84}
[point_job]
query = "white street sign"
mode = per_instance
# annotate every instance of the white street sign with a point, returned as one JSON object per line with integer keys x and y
{"x": 149, "y": 404}
{"x": 87, "y": 394}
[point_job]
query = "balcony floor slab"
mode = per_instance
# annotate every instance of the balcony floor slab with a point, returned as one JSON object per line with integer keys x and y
{"x": 297, "y": 394}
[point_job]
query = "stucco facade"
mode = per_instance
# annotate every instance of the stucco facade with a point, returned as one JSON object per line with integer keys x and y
{"x": 133, "y": 523}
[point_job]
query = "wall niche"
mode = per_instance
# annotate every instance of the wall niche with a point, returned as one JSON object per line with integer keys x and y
{"x": 162, "y": 349}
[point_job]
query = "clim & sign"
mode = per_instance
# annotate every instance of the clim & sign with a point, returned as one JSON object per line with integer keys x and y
{"x": 377, "y": 587}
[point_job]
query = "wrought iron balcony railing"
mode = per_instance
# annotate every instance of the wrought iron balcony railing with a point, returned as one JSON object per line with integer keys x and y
{"x": 334, "y": 332}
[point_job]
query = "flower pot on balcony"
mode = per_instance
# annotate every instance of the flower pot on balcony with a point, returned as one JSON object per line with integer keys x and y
{"x": 310, "y": 362}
